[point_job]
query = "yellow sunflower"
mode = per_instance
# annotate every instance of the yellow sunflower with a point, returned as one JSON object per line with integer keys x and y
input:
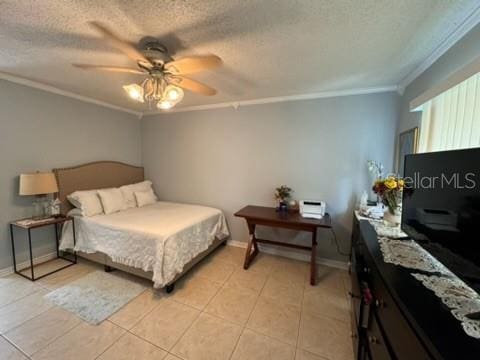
{"x": 391, "y": 183}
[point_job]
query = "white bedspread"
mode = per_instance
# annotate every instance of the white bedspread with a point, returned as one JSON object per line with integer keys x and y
{"x": 161, "y": 237}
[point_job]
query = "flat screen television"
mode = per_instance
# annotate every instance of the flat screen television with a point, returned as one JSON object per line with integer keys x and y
{"x": 441, "y": 208}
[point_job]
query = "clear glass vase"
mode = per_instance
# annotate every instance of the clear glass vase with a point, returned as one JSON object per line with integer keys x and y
{"x": 38, "y": 210}
{"x": 393, "y": 219}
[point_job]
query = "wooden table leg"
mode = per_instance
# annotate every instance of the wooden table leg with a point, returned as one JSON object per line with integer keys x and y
{"x": 249, "y": 255}
{"x": 313, "y": 259}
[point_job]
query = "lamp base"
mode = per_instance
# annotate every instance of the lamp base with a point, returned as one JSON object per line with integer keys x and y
{"x": 38, "y": 208}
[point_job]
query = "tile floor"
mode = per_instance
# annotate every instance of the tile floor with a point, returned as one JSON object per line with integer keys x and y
{"x": 218, "y": 311}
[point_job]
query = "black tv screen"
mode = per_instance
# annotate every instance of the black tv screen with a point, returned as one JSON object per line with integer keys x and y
{"x": 441, "y": 208}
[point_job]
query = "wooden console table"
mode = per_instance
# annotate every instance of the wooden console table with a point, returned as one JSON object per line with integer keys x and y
{"x": 268, "y": 216}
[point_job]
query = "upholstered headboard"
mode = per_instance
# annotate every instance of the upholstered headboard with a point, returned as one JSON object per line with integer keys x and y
{"x": 95, "y": 175}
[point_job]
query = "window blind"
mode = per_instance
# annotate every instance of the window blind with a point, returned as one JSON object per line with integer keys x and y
{"x": 451, "y": 120}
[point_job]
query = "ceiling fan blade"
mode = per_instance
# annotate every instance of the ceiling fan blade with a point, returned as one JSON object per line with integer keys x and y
{"x": 109, "y": 68}
{"x": 123, "y": 45}
{"x": 192, "y": 85}
{"x": 193, "y": 64}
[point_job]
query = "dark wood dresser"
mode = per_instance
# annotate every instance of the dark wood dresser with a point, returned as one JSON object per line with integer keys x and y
{"x": 393, "y": 315}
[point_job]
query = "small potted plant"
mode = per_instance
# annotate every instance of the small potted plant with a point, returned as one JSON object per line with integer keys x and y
{"x": 282, "y": 194}
{"x": 390, "y": 191}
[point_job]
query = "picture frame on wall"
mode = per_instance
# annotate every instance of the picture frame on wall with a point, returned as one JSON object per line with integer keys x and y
{"x": 407, "y": 144}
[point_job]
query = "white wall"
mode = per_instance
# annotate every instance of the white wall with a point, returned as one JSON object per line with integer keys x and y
{"x": 41, "y": 131}
{"x": 229, "y": 158}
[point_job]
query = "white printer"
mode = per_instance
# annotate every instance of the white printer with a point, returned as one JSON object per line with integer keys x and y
{"x": 312, "y": 209}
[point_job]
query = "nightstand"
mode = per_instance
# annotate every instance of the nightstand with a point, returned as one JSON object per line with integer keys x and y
{"x": 30, "y": 224}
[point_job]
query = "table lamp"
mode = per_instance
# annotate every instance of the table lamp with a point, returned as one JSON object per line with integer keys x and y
{"x": 38, "y": 184}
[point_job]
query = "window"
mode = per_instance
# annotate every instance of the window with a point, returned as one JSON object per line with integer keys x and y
{"x": 451, "y": 120}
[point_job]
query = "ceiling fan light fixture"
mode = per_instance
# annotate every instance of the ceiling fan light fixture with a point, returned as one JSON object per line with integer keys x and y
{"x": 135, "y": 91}
{"x": 165, "y": 104}
{"x": 164, "y": 83}
{"x": 173, "y": 93}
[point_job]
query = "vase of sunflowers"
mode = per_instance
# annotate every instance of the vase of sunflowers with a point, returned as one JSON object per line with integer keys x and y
{"x": 390, "y": 191}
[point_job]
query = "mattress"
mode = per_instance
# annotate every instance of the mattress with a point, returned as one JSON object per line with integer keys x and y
{"x": 161, "y": 237}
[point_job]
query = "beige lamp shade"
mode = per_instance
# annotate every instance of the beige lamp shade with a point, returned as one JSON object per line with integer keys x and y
{"x": 37, "y": 184}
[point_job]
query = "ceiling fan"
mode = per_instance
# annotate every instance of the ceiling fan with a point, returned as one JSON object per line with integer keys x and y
{"x": 164, "y": 76}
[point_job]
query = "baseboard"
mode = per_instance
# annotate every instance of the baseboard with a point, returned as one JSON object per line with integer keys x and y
{"x": 25, "y": 264}
{"x": 269, "y": 250}
{"x": 292, "y": 255}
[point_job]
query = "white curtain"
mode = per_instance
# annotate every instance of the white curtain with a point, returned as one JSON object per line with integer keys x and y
{"x": 451, "y": 120}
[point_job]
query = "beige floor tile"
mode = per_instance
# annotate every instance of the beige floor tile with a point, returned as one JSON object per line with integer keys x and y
{"x": 231, "y": 304}
{"x": 275, "y": 316}
{"x": 326, "y": 337}
{"x": 305, "y": 355}
{"x": 284, "y": 263}
{"x": 166, "y": 324}
{"x": 289, "y": 271}
{"x": 15, "y": 288}
{"x": 9, "y": 352}
{"x": 230, "y": 254}
{"x": 83, "y": 342}
{"x": 347, "y": 285}
{"x": 288, "y": 292}
{"x": 136, "y": 309}
{"x": 6, "y": 280}
{"x": 345, "y": 274}
{"x": 214, "y": 270}
{"x": 246, "y": 279}
{"x": 147, "y": 283}
{"x": 328, "y": 277}
{"x": 195, "y": 291}
{"x": 22, "y": 310}
{"x": 209, "y": 338}
{"x": 257, "y": 346}
{"x": 67, "y": 275}
{"x": 275, "y": 319}
{"x": 326, "y": 301}
{"x": 130, "y": 347}
{"x": 263, "y": 263}
{"x": 45, "y": 267}
{"x": 172, "y": 357}
{"x": 38, "y": 332}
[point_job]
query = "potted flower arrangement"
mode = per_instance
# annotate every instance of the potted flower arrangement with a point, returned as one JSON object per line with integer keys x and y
{"x": 282, "y": 194}
{"x": 390, "y": 191}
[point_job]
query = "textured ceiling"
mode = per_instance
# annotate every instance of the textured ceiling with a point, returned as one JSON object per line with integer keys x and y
{"x": 270, "y": 48}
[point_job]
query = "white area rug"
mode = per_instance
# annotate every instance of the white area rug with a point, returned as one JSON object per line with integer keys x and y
{"x": 95, "y": 296}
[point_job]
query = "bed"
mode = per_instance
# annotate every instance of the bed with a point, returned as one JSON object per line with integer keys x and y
{"x": 161, "y": 241}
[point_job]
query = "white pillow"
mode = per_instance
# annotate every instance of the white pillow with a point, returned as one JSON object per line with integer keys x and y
{"x": 87, "y": 201}
{"x": 145, "y": 197}
{"x": 112, "y": 200}
{"x": 75, "y": 212}
{"x": 128, "y": 192}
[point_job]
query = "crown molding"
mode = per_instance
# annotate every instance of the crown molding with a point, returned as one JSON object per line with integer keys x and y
{"x": 235, "y": 104}
{"x": 51, "y": 89}
{"x": 463, "y": 28}
{"x": 277, "y": 99}
{"x": 449, "y": 82}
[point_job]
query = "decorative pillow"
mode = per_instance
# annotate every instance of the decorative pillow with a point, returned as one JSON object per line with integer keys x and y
{"x": 145, "y": 197}
{"x": 87, "y": 201}
{"x": 112, "y": 200}
{"x": 129, "y": 190}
